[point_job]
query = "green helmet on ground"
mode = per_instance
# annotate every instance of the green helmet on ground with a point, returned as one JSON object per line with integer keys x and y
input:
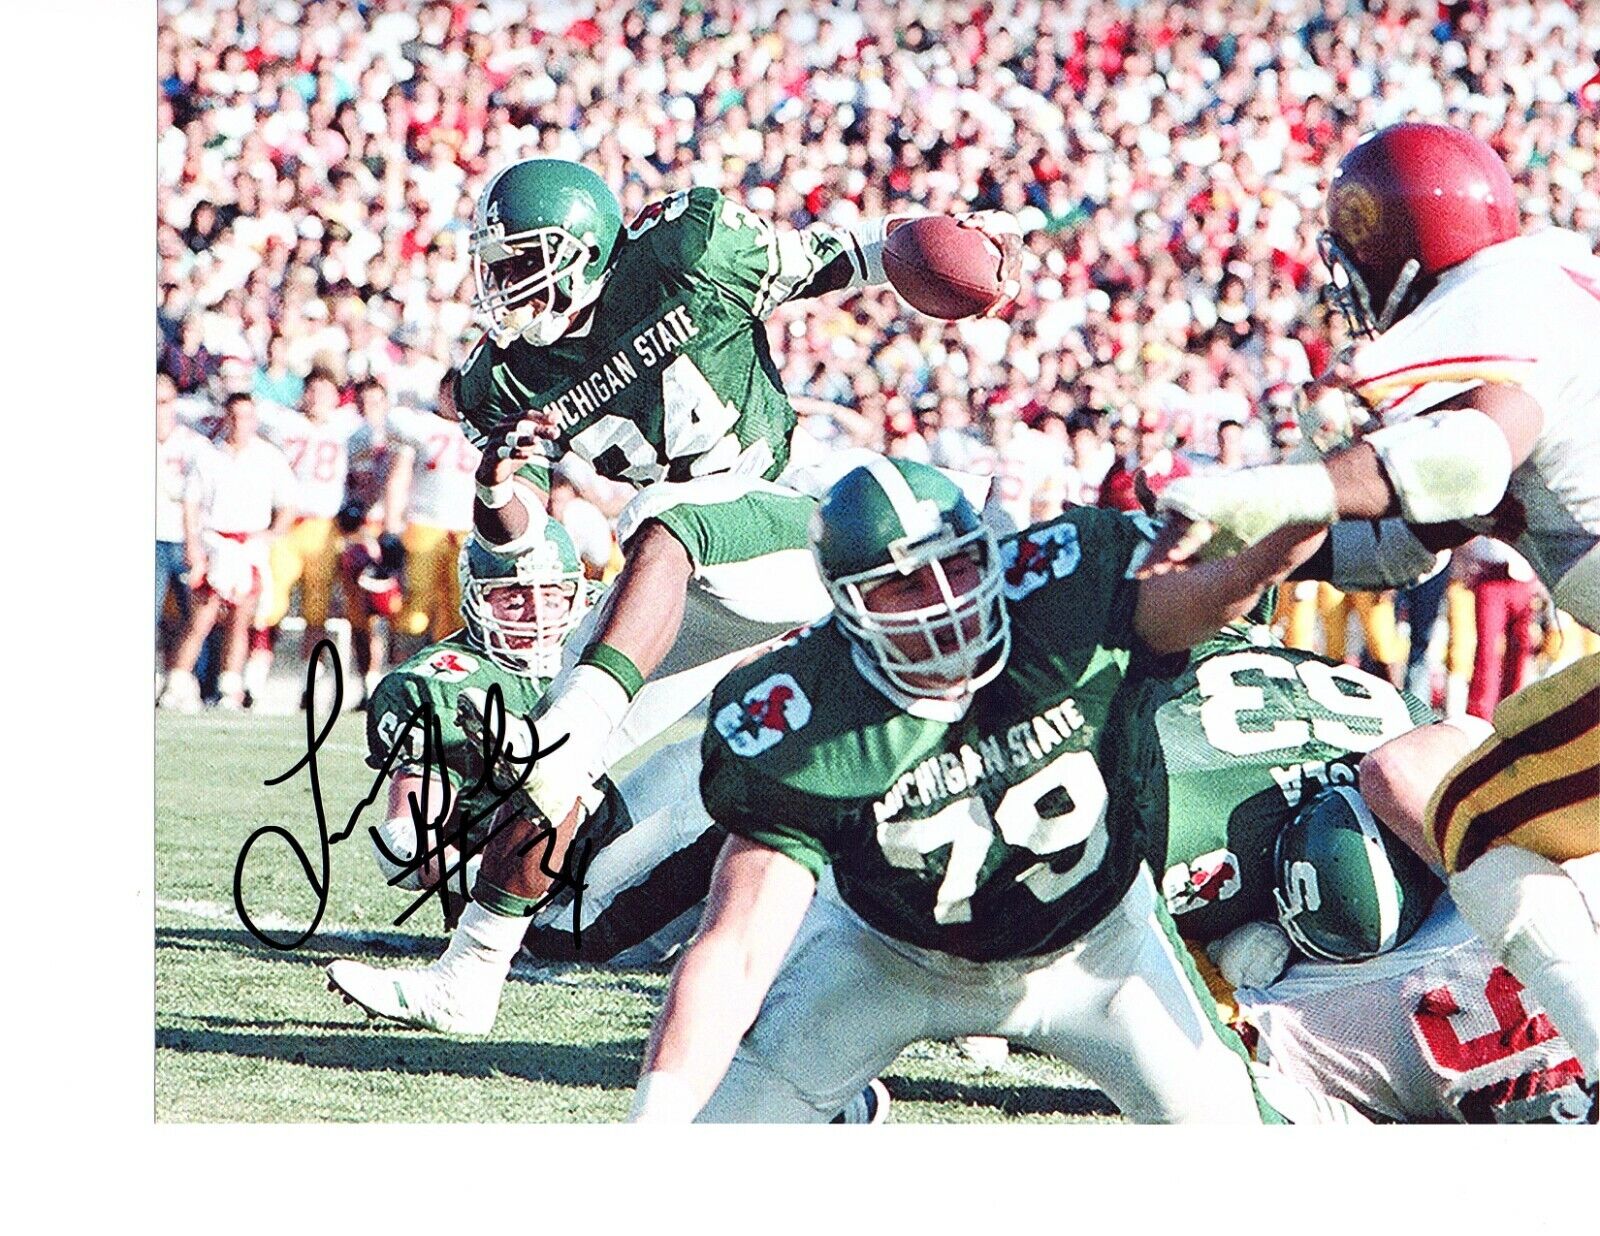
{"x": 519, "y": 607}
{"x": 542, "y": 235}
{"x": 889, "y": 519}
{"x": 1348, "y": 888}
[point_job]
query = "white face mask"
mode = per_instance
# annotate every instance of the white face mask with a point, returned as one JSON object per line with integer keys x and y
{"x": 956, "y": 663}
{"x": 538, "y": 308}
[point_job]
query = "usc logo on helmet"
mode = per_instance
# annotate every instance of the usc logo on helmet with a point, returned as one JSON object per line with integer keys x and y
{"x": 1354, "y": 214}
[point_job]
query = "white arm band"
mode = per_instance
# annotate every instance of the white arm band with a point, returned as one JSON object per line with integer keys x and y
{"x": 1371, "y": 555}
{"x": 1445, "y": 465}
{"x": 496, "y": 496}
{"x": 400, "y": 835}
{"x": 531, "y": 535}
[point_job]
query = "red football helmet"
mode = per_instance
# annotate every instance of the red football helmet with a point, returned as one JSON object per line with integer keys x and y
{"x": 1407, "y": 203}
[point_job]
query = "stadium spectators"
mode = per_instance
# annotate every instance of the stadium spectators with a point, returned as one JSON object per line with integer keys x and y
{"x": 318, "y": 163}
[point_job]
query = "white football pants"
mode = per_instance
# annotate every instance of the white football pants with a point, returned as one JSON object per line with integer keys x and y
{"x": 1117, "y": 1004}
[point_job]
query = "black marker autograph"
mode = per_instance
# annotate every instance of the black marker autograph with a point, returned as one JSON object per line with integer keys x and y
{"x": 570, "y": 874}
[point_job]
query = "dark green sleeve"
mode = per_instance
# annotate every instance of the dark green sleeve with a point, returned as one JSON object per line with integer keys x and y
{"x": 477, "y": 395}
{"x": 748, "y": 805}
{"x": 748, "y": 526}
{"x": 397, "y": 697}
{"x": 1084, "y": 559}
{"x": 747, "y": 259}
{"x": 482, "y": 406}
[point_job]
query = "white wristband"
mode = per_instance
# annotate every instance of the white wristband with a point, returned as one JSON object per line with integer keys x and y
{"x": 1256, "y": 501}
{"x": 400, "y": 836}
{"x": 867, "y": 263}
{"x": 662, "y": 1098}
{"x": 498, "y": 495}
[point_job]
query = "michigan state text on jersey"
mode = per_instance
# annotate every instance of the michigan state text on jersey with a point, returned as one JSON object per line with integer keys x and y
{"x": 646, "y": 354}
{"x": 960, "y": 833}
{"x": 918, "y": 834}
{"x": 671, "y": 376}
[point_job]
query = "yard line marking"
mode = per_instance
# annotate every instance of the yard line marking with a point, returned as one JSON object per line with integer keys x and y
{"x": 422, "y": 945}
{"x": 223, "y": 912}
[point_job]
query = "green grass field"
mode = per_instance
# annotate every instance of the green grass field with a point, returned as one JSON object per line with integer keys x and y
{"x": 248, "y": 1033}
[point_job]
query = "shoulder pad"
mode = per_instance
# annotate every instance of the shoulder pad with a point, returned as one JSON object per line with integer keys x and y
{"x": 676, "y": 230}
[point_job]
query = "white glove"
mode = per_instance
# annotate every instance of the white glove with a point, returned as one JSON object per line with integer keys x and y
{"x": 1251, "y": 955}
{"x": 1247, "y": 505}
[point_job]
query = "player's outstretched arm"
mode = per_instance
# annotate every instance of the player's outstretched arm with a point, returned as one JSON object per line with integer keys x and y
{"x": 1398, "y": 778}
{"x": 757, "y": 900}
{"x": 861, "y": 263}
{"x": 1175, "y": 612}
{"x": 1450, "y": 463}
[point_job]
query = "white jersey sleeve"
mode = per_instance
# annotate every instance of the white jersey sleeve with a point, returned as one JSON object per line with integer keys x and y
{"x": 1435, "y": 1031}
{"x": 1525, "y": 312}
{"x": 442, "y": 474}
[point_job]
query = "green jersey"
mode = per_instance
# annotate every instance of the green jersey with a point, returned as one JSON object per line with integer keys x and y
{"x": 672, "y": 377}
{"x": 1212, "y": 762}
{"x": 981, "y": 831}
{"x": 436, "y": 677}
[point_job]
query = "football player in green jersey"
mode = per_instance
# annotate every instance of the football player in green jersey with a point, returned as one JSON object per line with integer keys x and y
{"x": 643, "y": 349}
{"x": 1215, "y": 759}
{"x": 919, "y": 844}
{"x": 648, "y": 846}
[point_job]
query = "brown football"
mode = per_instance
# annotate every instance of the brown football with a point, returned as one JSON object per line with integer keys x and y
{"x": 941, "y": 268}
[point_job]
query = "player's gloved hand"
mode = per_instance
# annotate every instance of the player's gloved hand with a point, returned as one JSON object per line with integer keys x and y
{"x": 472, "y": 715}
{"x": 530, "y": 436}
{"x": 1251, "y": 955}
{"x": 1223, "y": 514}
{"x": 586, "y": 706}
{"x": 1002, "y": 228}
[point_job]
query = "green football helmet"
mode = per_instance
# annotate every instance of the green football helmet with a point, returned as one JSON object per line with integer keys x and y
{"x": 520, "y": 607}
{"x": 1347, "y": 888}
{"x": 542, "y": 234}
{"x": 889, "y": 519}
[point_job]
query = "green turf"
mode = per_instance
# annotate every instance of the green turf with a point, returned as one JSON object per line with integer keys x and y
{"x": 248, "y": 1033}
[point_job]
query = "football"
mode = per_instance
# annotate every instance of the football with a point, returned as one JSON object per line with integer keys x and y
{"x": 941, "y": 268}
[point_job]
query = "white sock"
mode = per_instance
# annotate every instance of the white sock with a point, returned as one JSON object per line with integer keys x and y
{"x": 182, "y": 685}
{"x": 1455, "y": 696}
{"x": 230, "y": 685}
{"x": 483, "y": 945}
{"x": 1534, "y": 918}
{"x": 256, "y": 670}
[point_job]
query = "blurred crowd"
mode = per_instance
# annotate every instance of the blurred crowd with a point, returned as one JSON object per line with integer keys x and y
{"x": 318, "y": 162}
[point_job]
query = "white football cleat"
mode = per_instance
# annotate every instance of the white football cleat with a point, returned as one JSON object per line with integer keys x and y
{"x": 181, "y": 694}
{"x": 426, "y": 998}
